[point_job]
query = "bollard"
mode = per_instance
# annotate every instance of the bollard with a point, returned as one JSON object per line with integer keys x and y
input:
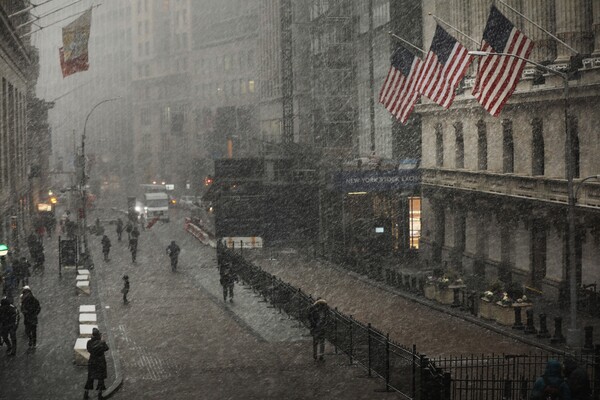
{"x": 543, "y": 333}
{"x": 530, "y": 328}
{"x": 518, "y": 321}
{"x": 588, "y": 345}
{"x": 558, "y": 335}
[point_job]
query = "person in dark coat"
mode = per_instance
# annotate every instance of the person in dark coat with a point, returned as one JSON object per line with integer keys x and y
{"x": 173, "y": 251}
{"x": 318, "y": 316}
{"x": 552, "y": 379}
{"x": 228, "y": 279}
{"x": 9, "y": 320}
{"x": 24, "y": 272}
{"x": 125, "y": 289}
{"x": 129, "y": 229}
{"x": 119, "y": 229}
{"x": 30, "y": 308}
{"x": 133, "y": 244}
{"x": 577, "y": 379}
{"x": 10, "y": 283}
{"x": 96, "y": 364}
{"x": 105, "y": 247}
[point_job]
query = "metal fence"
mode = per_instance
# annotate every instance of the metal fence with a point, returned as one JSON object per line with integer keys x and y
{"x": 402, "y": 368}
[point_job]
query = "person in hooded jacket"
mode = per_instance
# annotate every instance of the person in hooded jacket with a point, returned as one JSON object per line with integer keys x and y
{"x": 9, "y": 320}
{"x": 318, "y": 316}
{"x": 119, "y": 229}
{"x": 96, "y": 364}
{"x": 30, "y": 308}
{"x": 577, "y": 379}
{"x": 105, "y": 247}
{"x": 551, "y": 380}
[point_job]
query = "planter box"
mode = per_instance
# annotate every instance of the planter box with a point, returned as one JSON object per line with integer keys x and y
{"x": 504, "y": 315}
{"x": 445, "y": 296}
{"x": 429, "y": 291}
{"x": 485, "y": 309}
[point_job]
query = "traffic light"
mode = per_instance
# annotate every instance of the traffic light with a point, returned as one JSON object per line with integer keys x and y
{"x": 208, "y": 181}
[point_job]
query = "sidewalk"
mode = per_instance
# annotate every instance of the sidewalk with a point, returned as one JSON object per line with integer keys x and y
{"x": 49, "y": 372}
{"x": 436, "y": 329}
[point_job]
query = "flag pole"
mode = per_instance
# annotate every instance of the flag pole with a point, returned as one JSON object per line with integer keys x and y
{"x": 406, "y": 42}
{"x": 439, "y": 20}
{"x": 539, "y": 27}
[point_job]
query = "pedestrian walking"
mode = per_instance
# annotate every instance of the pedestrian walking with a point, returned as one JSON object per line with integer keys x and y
{"x": 119, "y": 229}
{"x": 37, "y": 256}
{"x": 173, "y": 251}
{"x": 318, "y": 316}
{"x": 96, "y": 364}
{"x": 135, "y": 232}
{"x": 128, "y": 229}
{"x": 577, "y": 379}
{"x": 125, "y": 289}
{"x": 105, "y": 247}
{"x": 9, "y": 320}
{"x": 18, "y": 271}
{"x": 30, "y": 308}
{"x": 10, "y": 283}
{"x": 551, "y": 385}
{"x": 24, "y": 272}
{"x": 97, "y": 227}
{"x": 133, "y": 244}
{"x": 228, "y": 279}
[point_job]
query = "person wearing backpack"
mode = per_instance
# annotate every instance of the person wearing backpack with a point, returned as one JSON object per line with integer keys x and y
{"x": 551, "y": 385}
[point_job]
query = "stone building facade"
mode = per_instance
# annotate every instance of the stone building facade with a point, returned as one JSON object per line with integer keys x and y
{"x": 495, "y": 188}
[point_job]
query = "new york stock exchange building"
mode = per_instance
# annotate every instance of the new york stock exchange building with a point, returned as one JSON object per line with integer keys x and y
{"x": 495, "y": 189}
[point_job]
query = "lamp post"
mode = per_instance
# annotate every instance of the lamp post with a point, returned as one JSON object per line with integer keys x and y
{"x": 83, "y": 181}
{"x": 573, "y": 333}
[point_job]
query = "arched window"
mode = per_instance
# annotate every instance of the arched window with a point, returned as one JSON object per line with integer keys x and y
{"x": 537, "y": 147}
{"x": 481, "y": 146}
{"x": 508, "y": 148}
{"x": 439, "y": 146}
{"x": 460, "y": 145}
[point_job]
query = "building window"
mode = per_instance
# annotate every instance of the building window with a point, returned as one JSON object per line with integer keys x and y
{"x": 414, "y": 210}
{"x": 508, "y": 148}
{"x": 573, "y": 126}
{"x": 537, "y": 147}
{"x": 481, "y": 146}
{"x": 439, "y": 146}
{"x": 251, "y": 86}
{"x": 460, "y": 145}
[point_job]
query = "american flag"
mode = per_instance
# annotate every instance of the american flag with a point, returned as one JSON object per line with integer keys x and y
{"x": 444, "y": 67}
{"x": 498, "y": 76}
{"x": 399, "y": 92}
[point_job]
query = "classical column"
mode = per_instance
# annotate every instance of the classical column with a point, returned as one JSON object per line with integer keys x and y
{"x": 596, "y": 28}
{"x": 542, "y": 12}
{"x": 574, "y": 27}
{"x": 460, "y": 13}
{"x": 480, "y": 10}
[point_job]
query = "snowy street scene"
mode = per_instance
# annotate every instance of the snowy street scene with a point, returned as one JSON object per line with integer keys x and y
{"x": 300, "y": 199}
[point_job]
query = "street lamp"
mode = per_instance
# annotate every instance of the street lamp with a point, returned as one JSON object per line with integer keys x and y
{"x": 84, "y": 178}
{"x": 573, "y": 333}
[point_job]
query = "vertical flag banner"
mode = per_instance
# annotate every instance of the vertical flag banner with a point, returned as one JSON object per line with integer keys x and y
{"x": 444, "y": 67}
{"x": 74, "y": 53}
{"x": 498, "y": 76}
{"x": 399, "y": 92}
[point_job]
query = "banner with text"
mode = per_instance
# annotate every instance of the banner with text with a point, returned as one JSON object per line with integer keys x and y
{"x": 377, "y": 181}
